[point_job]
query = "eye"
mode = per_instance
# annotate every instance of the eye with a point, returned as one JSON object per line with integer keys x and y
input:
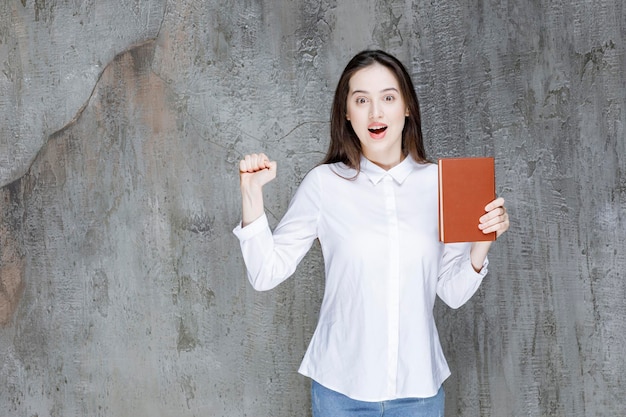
{"x": 361, "y": 100}
{"x": 389, "y": 98}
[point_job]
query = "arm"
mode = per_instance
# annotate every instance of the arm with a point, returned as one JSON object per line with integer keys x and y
{"x": 254, "y": 172}
{"x": 458, "y": 280}
{"x": 464, "y": 264}
{"x": 271, "y": 257}
{"x": 495, "y": 220}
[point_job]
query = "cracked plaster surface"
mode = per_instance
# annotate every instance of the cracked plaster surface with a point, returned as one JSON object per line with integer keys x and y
{"x": 52, "y": 54}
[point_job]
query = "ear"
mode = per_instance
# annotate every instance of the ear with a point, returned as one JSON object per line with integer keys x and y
{"x": 406, "y": 113}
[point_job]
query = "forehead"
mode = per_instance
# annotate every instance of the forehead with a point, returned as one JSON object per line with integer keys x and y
{"x": 375, "y": 77}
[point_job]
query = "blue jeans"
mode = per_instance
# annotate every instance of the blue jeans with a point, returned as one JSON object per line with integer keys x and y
{"x": 328, "y": 403}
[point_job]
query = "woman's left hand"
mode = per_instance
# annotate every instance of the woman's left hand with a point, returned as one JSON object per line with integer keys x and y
{"x": 496, "y": 219}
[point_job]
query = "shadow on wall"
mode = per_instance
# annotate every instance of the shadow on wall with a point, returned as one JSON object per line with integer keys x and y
{"x": 13, "y": 209}
{"x": 12, "y": 260}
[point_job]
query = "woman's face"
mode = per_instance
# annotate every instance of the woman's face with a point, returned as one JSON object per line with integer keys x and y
{"x": 377, "y": 113}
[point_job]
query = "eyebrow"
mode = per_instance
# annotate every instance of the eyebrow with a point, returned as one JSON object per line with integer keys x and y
{"x": 381, "y": 91}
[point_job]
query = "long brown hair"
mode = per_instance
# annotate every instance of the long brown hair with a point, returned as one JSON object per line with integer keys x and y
{"x": 344, "y": 144}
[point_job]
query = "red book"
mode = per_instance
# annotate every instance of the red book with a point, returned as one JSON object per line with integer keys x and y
{"x": 466, "y": 186}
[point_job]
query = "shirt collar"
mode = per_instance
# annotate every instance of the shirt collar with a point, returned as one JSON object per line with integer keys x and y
{"x": 399, "y": 173}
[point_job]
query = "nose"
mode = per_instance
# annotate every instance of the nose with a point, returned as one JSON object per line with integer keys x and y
{"x": 376, "y": 110}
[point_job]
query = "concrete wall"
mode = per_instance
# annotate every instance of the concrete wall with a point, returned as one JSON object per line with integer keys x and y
{"x": 122, "y": 291}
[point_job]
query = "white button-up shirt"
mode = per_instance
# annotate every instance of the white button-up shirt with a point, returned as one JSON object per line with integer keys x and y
{"x": 376, "y": 338}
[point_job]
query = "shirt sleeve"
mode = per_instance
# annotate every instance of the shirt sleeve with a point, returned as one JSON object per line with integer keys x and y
{"x": 458, "y": 281}
{"x": 271, "y": 258}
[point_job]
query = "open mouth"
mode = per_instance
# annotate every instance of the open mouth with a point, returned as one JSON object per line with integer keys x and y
{"x": 377, "y": 130}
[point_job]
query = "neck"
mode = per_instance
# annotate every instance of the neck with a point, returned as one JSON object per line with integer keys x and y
{"x": 385, "y": 163}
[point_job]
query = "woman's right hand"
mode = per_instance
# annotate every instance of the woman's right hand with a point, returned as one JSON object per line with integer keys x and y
{"x": 256, "y": 170}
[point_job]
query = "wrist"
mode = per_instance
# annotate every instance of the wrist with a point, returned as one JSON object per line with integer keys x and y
{"x": 252, "y": 203}
{"x": 478, "y": 254}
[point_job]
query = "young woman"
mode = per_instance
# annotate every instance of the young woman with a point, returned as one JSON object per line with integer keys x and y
{"x": 372, "y": 204}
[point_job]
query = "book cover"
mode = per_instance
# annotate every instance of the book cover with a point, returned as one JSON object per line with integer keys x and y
{"x": 466, "y": 186}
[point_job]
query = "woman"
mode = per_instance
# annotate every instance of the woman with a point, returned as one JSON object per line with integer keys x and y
{"x": 372, "y": 204}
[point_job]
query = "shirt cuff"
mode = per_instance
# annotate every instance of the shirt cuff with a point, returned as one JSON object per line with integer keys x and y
{"x": 251, "y": 230}
{"x": 483, "y": 270}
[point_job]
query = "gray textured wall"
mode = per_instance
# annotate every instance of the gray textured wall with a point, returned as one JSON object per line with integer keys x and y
{"x": 122, "y": 291}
